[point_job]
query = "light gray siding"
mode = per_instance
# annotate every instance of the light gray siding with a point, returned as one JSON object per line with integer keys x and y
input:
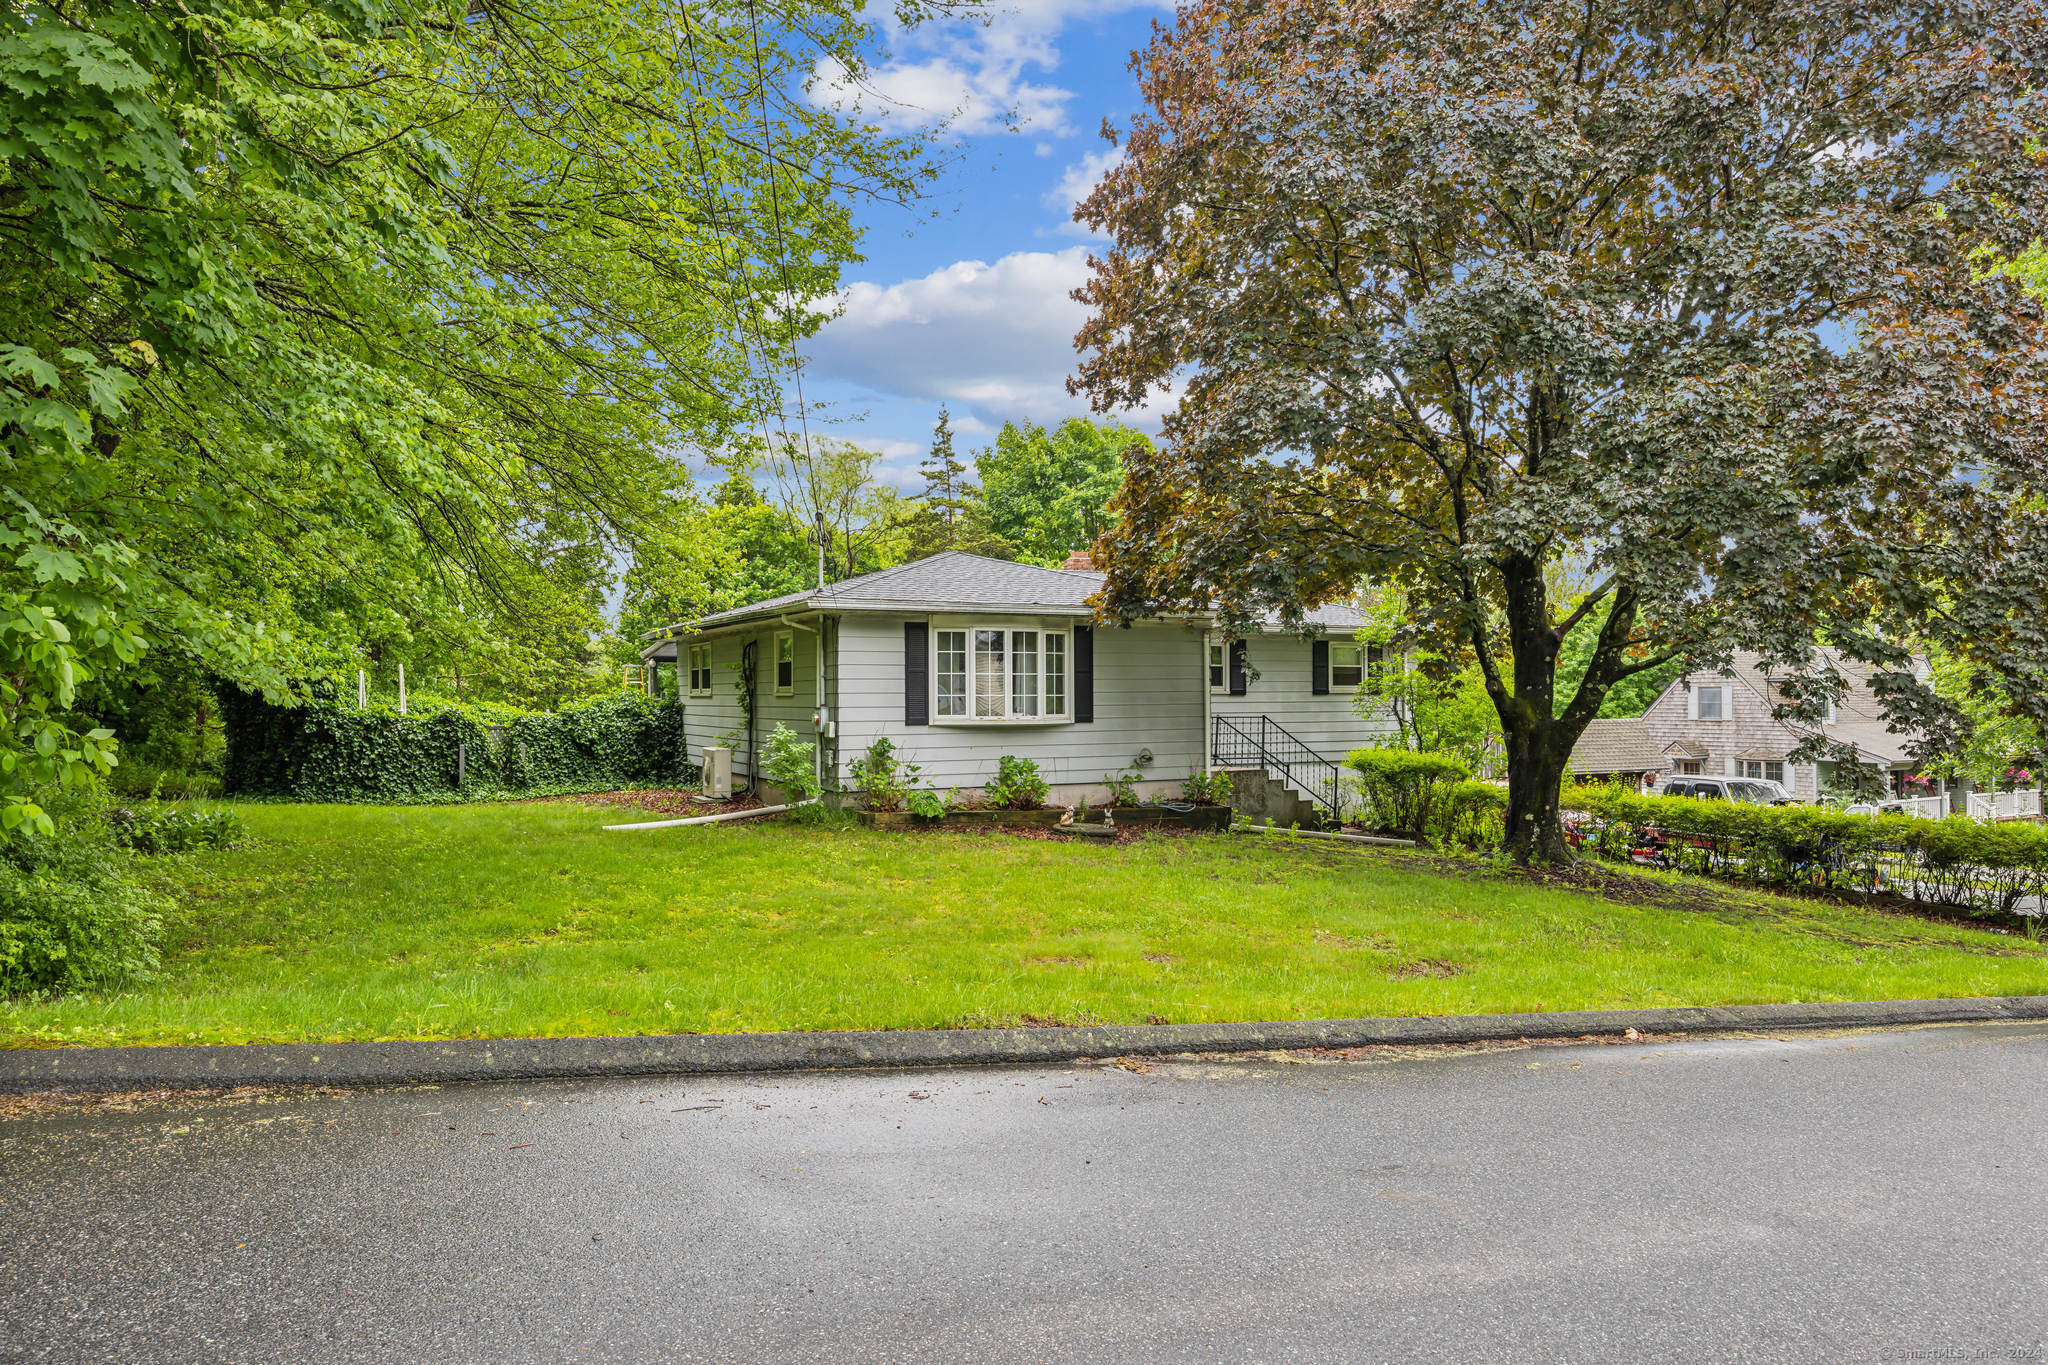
{"x": 705, "y": 719}
{"x": 1148, "y": 695}
{"x": 1283, "y": 691}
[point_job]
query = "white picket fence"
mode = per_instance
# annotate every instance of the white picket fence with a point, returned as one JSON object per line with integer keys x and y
{"x": 2024, "y": 804}
{"x": 1931, "y": 807}
{"x": 2012, "y": 805}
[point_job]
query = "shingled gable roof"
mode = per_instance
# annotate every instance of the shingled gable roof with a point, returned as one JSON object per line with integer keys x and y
{"x": 1616, "y": 745}
{"x": 953, "y": 580}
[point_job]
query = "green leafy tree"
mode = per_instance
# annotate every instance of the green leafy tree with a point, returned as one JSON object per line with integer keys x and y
{"x": 1690, "y": 298}
{"x": 1048, "y": 492}
{"x": 328, "y": 330}
{"x": 1438, "y": 704}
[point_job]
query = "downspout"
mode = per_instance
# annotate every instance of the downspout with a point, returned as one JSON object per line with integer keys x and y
{"x": 1208, "y": 706}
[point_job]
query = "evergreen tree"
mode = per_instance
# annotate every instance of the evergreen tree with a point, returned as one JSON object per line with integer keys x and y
{"x": 945, "y": 486}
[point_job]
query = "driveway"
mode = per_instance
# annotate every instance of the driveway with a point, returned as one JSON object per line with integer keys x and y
{"x": 1841, "y": 1198}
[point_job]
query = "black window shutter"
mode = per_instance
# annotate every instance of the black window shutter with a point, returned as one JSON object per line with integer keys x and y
{"x": 917, "y": 688}
{"x": 1084, "y": 675}
{"x": 1319, "y": 667}
{"x": 1239, "y": 683}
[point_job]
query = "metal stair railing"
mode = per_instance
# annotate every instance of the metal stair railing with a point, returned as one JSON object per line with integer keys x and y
{"x": 1239, "y": 741}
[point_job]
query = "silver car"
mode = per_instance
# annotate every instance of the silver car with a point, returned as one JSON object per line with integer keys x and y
{"x": 1755, "y": 791}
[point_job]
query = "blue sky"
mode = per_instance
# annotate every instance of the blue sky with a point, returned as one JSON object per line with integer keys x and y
{"x": 970, "y": 307}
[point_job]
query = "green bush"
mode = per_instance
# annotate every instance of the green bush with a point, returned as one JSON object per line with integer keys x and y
{"x": 1207, "y": 789}
{"x": 133, "y": 777}
{"x": 926, "y": 804}
{"x": 156, "y": 828}
{"x": 883, "y": 781}
{"x": 1123, "y": 786}
{"x": 323, "y": 752}
{"x": 71, "y": 916}
{"x": 790, "y": 763}
{"x": 1982, "y": 868}
{"x": 1017, "y": 785}
{"x": 1471, "y": 815}
{"x": 1404, "y": 791}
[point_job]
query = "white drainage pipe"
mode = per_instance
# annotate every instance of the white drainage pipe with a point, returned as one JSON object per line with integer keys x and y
{"x": 718, "y": 819}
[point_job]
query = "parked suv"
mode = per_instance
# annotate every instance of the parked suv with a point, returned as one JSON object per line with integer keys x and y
{"x": 1755, "y": 791}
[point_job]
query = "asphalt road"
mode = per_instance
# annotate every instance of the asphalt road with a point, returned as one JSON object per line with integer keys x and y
{"x": 1860, "y": 1197}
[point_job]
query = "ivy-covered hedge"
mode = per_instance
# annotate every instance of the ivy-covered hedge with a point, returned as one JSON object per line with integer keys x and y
{"x": 1957, "y": 862}
{"x": 324, "y": 752}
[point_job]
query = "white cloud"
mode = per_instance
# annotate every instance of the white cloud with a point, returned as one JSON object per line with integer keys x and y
{"x": 1076, "y": 183}
{"x": 996, "y": 340}
{"x": 970, "y": 73}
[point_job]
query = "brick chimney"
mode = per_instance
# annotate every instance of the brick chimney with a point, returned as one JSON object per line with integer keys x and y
{"x": 1079, "y": 560}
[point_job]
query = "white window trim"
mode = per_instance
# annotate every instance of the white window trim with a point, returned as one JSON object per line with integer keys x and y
{"x": 784, "y": 637}
{"x": 1042, "y": 630}
{"x": 695, "y": 690}
{"x": 1219, "y": 686}
{"x": 1364, "y": 665}
{"x": 1727, "y": 702}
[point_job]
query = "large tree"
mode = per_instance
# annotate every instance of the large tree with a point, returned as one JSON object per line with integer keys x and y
{"x": 1697, "y": 299}
{"x": 329, "y": 323}
{"x": 1048, "y": 492}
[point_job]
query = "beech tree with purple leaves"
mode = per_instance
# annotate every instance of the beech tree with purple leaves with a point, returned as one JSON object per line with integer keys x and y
{"x": 1704, "y": 303}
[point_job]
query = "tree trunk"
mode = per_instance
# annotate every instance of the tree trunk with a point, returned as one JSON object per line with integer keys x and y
{"x": 1536, "y": 762}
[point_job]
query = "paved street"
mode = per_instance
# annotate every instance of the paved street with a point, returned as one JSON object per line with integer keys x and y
{"x": 1845, "y": 1198}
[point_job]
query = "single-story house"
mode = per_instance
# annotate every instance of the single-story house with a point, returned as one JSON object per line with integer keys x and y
{"x": 959, "y": 659}
{"x": 1721, "y": 724}
{"x": 1616, "y": 749}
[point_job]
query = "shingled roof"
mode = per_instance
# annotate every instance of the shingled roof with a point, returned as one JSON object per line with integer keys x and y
{"x": 954, "y": 580}
{"x": 1620, "y": 745}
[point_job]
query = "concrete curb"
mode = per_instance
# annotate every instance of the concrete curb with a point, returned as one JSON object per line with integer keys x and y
{"x": 506, "y": 1059}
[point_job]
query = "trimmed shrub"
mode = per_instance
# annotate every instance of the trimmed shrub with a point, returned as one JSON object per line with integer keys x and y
{"x": 71, "y": 918}
{"x": 324, "y": 752}
{"x": 1017, "y": 785}
{"x": 1405, "y": 791}
{"x": 1956, "y": 862}
{"x": 1471, "y": 815}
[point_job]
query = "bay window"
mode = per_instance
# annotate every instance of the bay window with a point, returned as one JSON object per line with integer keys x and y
{"x": 999, "y": 673}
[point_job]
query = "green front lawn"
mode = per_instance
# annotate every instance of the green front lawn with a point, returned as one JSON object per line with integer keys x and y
{"x": 345, "y": 922}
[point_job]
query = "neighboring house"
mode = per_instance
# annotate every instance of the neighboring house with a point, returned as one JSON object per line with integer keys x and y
{"x": 959, "y": 659}
{"x": 1719, "y": 724}
{"x": 1619, "y": 749}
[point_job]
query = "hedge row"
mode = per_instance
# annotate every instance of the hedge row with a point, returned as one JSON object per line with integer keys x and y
{"x": 324, "y": 752}
{"x": 1957, "y": 862}
{"x": 1428, "y": 796}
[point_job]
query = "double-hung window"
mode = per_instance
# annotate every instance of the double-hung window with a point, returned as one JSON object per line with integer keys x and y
{"x": 1710, "y": 703}
{"x": 785, "y": 663}
{"x": 1767, "y": 772}
{"x": 1219, "y": 667}
{"x": 1347, "y": 664}
{"x": 999, "y": 673}
{"x": 700, "y": 670}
